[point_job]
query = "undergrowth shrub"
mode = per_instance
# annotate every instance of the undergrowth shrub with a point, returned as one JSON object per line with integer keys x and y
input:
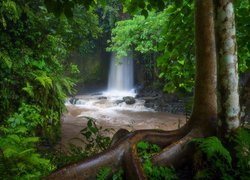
{"x": 242, "y": 149}
{"x": 145, "y": 152}
{"x": 106, "y": 173}
{"x": 94, "y": 141}
{"x": 212, "y": 159}
{"x": 19, "y": 158}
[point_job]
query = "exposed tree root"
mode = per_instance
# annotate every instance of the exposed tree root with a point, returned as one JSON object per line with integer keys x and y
{"x": 123, "y": 153}
{"x": 133, "y": 167}
{"x": 177, "y": 153}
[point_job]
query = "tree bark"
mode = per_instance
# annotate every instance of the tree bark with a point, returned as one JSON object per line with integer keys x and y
{"x": 205, "y": 98}
{"x": 228, "y": 96}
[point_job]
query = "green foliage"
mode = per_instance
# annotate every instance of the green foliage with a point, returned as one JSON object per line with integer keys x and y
{"x": 60, "y": 157}
{"x": 241, "y": 140}
{"x": 118, "y": 175}
{"x": 34, "y": 47}
{"x": 94, "y": 135}
{"x": 213, "y": 148}
{"x": 133, "y": 32}
{"x": 169, "y": 34}
{"x": 212, "y": 160}
{"x": 65, "y": 7}
{"x": 243, "y": 27}
{"x": 146, "y": 151}
{"x": 36, "y": 78}
{"x": 105, "y": 173}
{"x": 93, "y": 141}
{"x": 27, "y": 118}
{"x": 19, "y": 158}
{"x": 92, "y": 72}
{"x": 175, "y": 57}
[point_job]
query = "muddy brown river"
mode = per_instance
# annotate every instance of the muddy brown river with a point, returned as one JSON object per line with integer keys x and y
{"x": 110, "y": 112}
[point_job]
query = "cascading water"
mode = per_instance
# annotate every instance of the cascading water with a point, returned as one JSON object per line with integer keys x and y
{"x": 109, "y": 108}
{"x": 121, "y": 74}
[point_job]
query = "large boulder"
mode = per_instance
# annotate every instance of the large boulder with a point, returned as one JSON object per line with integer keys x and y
{"x": 129, "y": 100}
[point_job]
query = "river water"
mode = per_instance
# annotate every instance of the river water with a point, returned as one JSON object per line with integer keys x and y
{"x": 109, "y": 112}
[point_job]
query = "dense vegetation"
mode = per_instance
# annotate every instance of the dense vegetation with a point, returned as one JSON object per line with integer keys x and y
{"x": 36, "y": 79}
{"x": 36, "y": 39}
{"x": 166, "y": 40}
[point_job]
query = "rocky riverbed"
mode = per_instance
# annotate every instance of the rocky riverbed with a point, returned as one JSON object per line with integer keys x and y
{"x": 163, "y": 102}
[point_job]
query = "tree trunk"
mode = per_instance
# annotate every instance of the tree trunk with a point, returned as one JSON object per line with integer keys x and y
{"x": 228, "y": 96}
{"x": 205, "y": 108}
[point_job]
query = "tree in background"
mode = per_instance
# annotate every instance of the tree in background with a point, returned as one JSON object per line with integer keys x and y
{"x": 169, "y": 35}
{"x": 159, "y": 38}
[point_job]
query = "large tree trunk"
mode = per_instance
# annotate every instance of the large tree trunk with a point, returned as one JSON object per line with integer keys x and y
{"x": 202, "y": 123}
{"x": 228, "y": 96}
{"x": 205, "y": 102}
{"x": 204, "y": 115}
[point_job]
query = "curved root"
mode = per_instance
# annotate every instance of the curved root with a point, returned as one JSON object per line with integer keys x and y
{"x": 177, "y": 153}
{"x": 123, "y": 152}
{"x": 133, "y": 166}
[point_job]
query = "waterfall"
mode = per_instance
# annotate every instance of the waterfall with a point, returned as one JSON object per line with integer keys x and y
{"x": 121, "y": 74}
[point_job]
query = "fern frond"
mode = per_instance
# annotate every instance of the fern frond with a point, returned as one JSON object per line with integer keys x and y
{"x": 28, "y": 89}
{"x": 43, "y": 79}
{"x": 10, "y": 152}
{"x": 21, "y": 130}
{"x": 212, "y": 147}
{"x": 68, "y": 84}
{"x": 3, "y": 168}
{"x": 242, "y": 140}
{"x": 26, "y": 152}
{"x": 203, "y": 174}
{"x": 58, "y": 89}
{"x": 5, "y": 59}
{"x": 11, "y": 8}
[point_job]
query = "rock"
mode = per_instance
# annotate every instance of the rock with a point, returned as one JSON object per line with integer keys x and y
{"x": 129, "y": 100}
{"x": 73, "y": 100}
{"x": 102, "y": 97}
{"x": 119, "y": 101}
{"x": 96, "y": 94}
{"x": 149, "y": 98}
